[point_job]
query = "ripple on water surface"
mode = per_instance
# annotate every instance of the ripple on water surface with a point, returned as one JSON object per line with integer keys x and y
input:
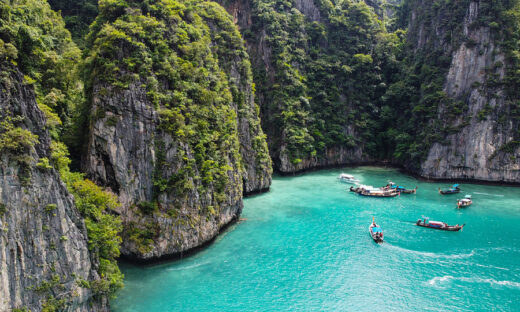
{"x": 305, "y": 247}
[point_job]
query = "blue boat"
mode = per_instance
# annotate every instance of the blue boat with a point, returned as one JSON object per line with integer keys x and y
{"x": 452, "y": 190}
{"x": 375, "y": 232}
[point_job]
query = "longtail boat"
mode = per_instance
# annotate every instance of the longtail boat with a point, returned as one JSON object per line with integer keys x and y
{"x": 452, "y": 190}
{"x": 375, "y": 232}
{"x": 370, "y": 191}
{"x": 465, "y": 202}
{"x": 403, "y": 190}
{"x": 347, "y": 178}
{"x": 378, "y": 193}
{"x": 438, "y": 225}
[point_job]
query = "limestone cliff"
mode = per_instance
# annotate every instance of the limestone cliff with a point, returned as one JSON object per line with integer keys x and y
{"x": 312, "y": 77}
{"x": 43, "y": 241}
{"x": 479, "y": 143}
{"x": 180, "y": 140}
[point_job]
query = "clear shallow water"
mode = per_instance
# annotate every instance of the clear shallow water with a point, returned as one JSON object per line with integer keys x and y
{"x": 304, "y": 246}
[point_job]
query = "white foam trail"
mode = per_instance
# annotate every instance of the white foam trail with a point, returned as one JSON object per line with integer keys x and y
{"x": 490, "y": 281}
{"x": 188, "y": 267}
{"x": 503, "y": 283}
{"x": 496, "y": 195}
{"x": 491, "y": 267}
{"x": 431, "y": 254}
{"x": 440, "y": 279}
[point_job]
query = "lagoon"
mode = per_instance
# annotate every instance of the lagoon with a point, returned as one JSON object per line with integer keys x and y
{"x": 304, "y": 246}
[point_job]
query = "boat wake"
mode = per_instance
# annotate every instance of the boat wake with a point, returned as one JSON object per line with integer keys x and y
{"x": 188, "y": 267}
{"x": 438, "y": 280}
{"x": 487, "y": 194}
{"x": 432, "y": 254}
{"x": 491, "y": 267}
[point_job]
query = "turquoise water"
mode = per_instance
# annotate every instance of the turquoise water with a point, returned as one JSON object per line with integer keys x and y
{"x": 304, "y": 246}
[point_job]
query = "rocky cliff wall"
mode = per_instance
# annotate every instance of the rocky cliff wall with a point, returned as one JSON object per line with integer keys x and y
{"x": 476, "y": 148}
{"x": 181, "y": 147}
{"x": 310, "y": 104}
{"x": 43, "y": 240}
{"x": 124, "y": 155}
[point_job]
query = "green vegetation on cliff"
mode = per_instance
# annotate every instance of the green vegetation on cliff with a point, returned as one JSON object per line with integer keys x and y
{"x": 323, "y": 84}
{"x": 78, "y": 15}
{"x": 168, "y": 47}
{"x": 414, "y": 120}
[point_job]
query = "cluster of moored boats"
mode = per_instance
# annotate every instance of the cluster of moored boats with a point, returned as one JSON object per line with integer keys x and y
{"x": 389, "y": 190}
{"x": 392, "y": 190}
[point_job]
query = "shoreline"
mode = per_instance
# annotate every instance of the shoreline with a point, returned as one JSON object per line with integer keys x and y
{"x": 180, "y": 255}
{"x": 381, "y": 164}
{"x": 402, "y": 169}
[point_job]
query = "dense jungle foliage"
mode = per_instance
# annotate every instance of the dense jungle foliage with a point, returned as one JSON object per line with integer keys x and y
{"x": 327, "y": 77}
{"x": 78, "y": 15}
{"x": 350, "y": 79}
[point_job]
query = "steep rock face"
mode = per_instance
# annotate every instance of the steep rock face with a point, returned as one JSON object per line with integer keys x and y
{"x": 335, "y": 156}
{"x": 181, "y": 147}
{"x": 476, "y": 148}
{"x": 308, "y": 73}
{"x": 234, "y": 60}
{"x": 43, "y": 240}
{"x": 123, "y": 155}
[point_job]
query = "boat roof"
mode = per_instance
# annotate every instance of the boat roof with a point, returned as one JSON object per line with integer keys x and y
{"x": 455, "y": 185}
{"x": 465, "y": 199}
{"x": 377, "y": 230}
{"x": 346, "y": 175}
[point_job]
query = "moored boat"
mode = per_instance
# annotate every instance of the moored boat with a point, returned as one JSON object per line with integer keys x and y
{"x": 438, "y": 225}
{"x": 378, "y": 193}
{"x": 464, "y": 202}
{"x": 365, "y": 190}
{"x": 359, "y": 188}
{"x": 452, "y": 190}
{"x": 375, "y": 232}
{"x": 404, "y": 190}
{"x": 347, "y": 178}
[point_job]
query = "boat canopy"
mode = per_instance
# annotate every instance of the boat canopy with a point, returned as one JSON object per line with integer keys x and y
{"x": 348, "y": 176}
{"x": 455, "y": 186}
{"x": 377, "y": 230}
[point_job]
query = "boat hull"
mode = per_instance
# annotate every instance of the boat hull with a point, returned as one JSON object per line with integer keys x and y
{"x": 378, "y": 193}
{"x": 349, "y": 181}
{"x": 449, "y": 192}
{"x": 451, "y": 228}
{"x": 368, "y": 194}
